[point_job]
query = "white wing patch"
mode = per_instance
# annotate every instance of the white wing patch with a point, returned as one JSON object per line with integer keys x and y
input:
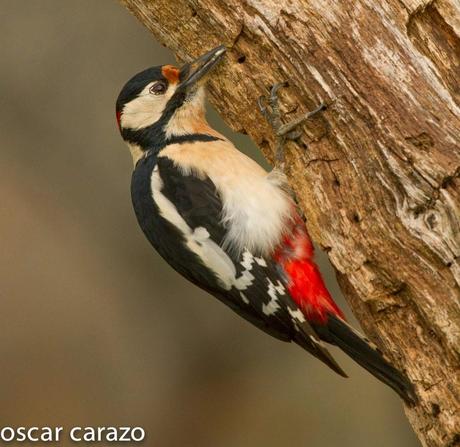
{"x": 273, "y": 305}
{"x": 248, "y": 260}
{"x": 247, "y": 278}
{"x": 280, "y": 288}
{"x": 199, "y": 242}
{"x": 261, "y": 262}
{"x": 256, "y": 207}
{"x": 167, "y": 209}
{"x": 297, "y": 315}
{"x": 244, "y": 298}
{"x": 244, "y": 281}
{"x": 216, "y": 259}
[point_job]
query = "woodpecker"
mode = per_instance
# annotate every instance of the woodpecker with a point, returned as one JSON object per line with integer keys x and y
{"x": 226, "y": 224}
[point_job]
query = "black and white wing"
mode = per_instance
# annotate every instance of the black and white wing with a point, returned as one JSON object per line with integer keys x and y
{"x": 187, "y": 230}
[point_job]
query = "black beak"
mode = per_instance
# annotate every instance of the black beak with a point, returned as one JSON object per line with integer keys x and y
{"x": 192, "y": 72}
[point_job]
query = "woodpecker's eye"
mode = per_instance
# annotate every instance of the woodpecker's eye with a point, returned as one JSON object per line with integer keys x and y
{"x": 158, "y": 88}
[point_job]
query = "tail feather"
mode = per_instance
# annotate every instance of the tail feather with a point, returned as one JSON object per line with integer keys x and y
{"x": 338, "y": 332}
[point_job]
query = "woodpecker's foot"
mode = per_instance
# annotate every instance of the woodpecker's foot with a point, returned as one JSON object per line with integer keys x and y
{"x": 286, "y": 131}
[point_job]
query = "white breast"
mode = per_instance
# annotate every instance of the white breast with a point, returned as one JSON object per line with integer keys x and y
{"x": 257, "y": 207}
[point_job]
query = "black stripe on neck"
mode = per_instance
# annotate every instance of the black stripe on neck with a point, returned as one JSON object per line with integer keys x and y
{"x": 153, "y": 138}
{"x": 190, "y": 138}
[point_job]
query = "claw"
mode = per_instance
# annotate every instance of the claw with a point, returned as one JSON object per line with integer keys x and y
{"x": 261, "y": 102}
{"x": 291, "y": 125}
{"x": 277, "y": 86}
{"x": 293, "y": 135}
{"x": 269, "y": 108}
{"x": 274, "y": 93}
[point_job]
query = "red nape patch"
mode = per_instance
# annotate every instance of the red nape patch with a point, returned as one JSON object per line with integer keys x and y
{"x": 171, "y": 73}
{"x": 118, "y": 114}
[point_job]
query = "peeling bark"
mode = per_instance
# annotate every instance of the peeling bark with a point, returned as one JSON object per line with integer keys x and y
{"x": 380, "y": 179}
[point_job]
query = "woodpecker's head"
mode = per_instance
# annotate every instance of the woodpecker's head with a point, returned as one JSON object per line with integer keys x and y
{"x": 165, "y": 101}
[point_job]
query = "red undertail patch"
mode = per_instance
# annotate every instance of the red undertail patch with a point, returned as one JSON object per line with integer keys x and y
{"x": 308, "y": 290}
{"x": 305, "y": 283}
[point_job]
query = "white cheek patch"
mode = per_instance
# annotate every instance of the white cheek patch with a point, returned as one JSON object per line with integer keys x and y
{"x": 146, "y": 109}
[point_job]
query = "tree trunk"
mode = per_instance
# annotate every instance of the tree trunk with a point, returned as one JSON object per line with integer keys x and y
{"x": 379, "y": 180}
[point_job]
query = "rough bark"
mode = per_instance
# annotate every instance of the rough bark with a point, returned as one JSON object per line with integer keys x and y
{"x": 379, "y": 181}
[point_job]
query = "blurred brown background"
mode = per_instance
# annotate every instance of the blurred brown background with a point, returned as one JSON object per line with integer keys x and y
{"x": 95, "y": 328}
